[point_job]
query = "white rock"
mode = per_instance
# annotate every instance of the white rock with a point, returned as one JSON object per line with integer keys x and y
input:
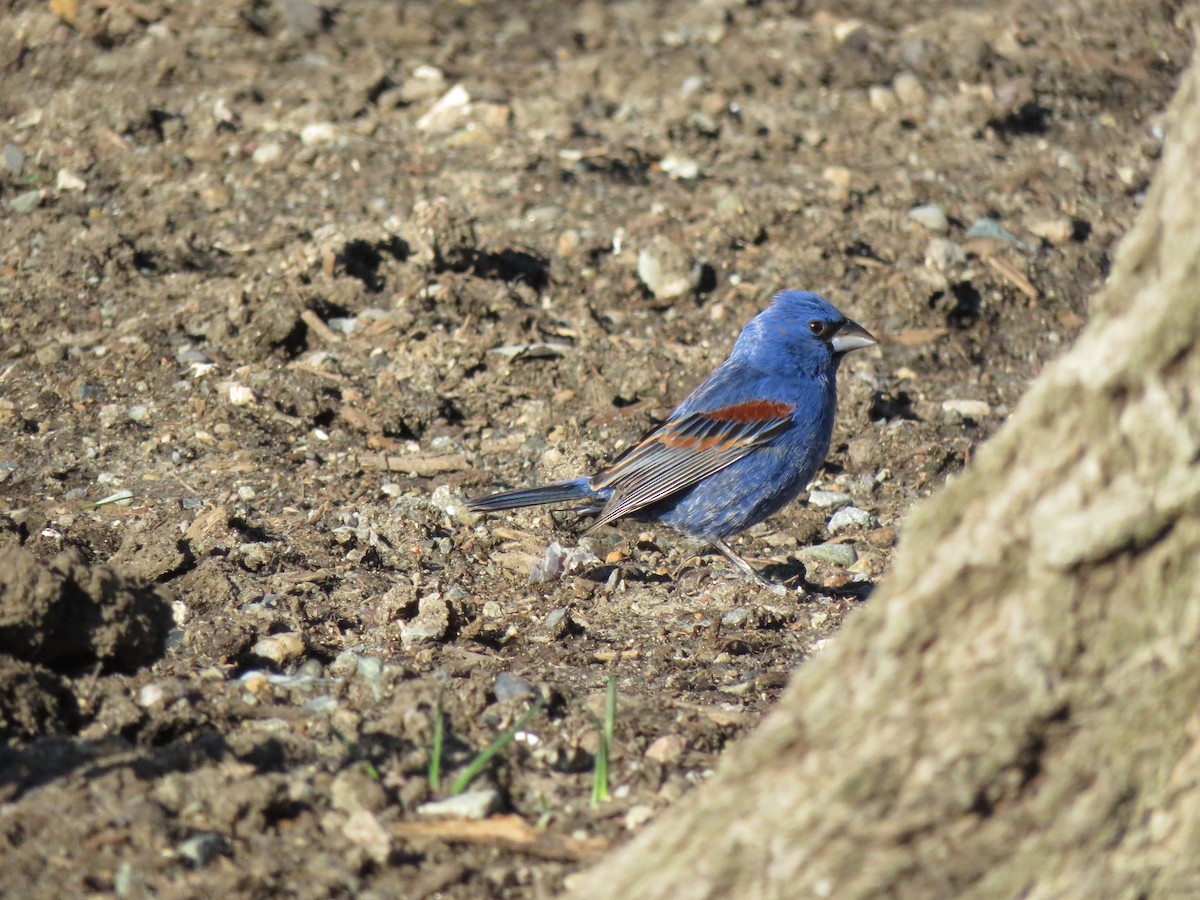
{"x": 66, "y": 180}
{"x": 942, "y": 254}
{"x": 267, "y": 154}
{"x": 968, "y": 409}
{"x": 881, "y": 98}
{"x": 449, "y": 110}
{"x": 909, "y": 90}
{"x": 364, "y": 830}
{"x": 467, "y": 805}
{"x": 679, "y": 167}
{"x": 850, "y": 518}
{"x": 280, "y": 649}
{"x": 828, "y": 499}
{"x": 931, "y": 216}
{"x": 318, "y": 133}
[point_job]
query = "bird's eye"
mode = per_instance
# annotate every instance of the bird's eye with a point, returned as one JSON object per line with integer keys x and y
{"x": 817, "y": 328}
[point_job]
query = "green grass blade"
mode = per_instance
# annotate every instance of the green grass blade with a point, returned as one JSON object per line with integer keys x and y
{"x": 605, "y": 729}
{"x": 475, "y": 766}
{"x": 435, "y": 753}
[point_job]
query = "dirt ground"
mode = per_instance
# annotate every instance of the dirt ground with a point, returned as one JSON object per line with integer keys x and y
{"x": 281, "y": 283}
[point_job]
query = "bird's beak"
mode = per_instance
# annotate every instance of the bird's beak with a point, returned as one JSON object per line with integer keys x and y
{"x": 851, "y": 336}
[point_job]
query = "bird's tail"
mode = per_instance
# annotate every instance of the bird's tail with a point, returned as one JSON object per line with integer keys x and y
{"x": 560, "y": 492}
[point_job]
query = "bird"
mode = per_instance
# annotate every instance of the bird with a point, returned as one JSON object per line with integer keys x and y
{"x": 740, "y": 447}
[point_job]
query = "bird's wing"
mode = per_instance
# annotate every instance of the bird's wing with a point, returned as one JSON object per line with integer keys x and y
{"x": 683, "y": 451}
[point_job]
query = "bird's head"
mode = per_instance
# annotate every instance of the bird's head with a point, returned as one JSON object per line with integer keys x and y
{"x": 799, "y": 332}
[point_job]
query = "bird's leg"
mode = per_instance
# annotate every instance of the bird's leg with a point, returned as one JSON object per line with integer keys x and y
{"x": 746, "y": 569}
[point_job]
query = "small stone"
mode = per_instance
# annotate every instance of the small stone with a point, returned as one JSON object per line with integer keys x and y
{"x": 665, "y": 268}
{"x": 909, "y": 90}
{"x": 364, "y": 830}
{"x": 318, "y": 133}
{"x": 942, "y": 254}
{"x": 467, "y": 805}
{"x": 679, "y": 167}
{"x": 930, "y": 216}
{"x": 245, "y": 492}
{"x": 267, "y": 154}
{"x": 568, "y": 242}
{"x": 14, "y": 159}
{"x": 828, "y": 554}
{"x": 239, "y": 394}
{"x": 849, "y": 518}
{"x": 66, "y": 180}
{"x": 637, "y": 816}
{"x": 828, "y": 499}
{"x": 49, "y": 355}
{"x": 1056, "y": 231}
{"x": 735, "y": 618}
{"x": 353, "y": 790}
{"x": 881, "y": 97}
{"x": 201, "y": 849}
{"x": 139, "y": 412}
{"x": 666, "y": 749}
{"x": 450, "y": 109}
{"x": 27, "y": 201}
{"x": 280, "y": 649}
{"x": 492, "y": 610}
{"x": 957, "y": 410}
{"x": 431, "y": 624}
{"x": 149, "y": 695}
{"x": 344, "y": 664}
{"x": 511, "y": 687}
{"x": 838, "y": 176}
{"x": 990, "y": 229}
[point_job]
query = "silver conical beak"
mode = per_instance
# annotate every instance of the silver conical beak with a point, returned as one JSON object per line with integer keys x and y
{"x": 851, "y": 336}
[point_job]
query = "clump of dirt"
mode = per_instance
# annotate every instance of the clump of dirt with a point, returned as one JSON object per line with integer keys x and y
{"x": 63, "y": 617}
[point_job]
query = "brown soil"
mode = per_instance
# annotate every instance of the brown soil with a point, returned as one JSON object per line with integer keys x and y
{"x": 283, "y": 312}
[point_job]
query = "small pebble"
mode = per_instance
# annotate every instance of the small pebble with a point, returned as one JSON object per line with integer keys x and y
{"x": 246, "y": 492}
{"x": 267, "y": 154}
{"x": 1056, "y": 231}
{"x": 364, "y": 830}
{"x": 828, "y": 554}
{"x": 280, "y": 649}
{"x": 828, "y": 499}
{"x": 449, "y": 110}
{"x": 665, "y": 268}
{"x": 942, "y": 254}
{"x": 966, "y": 409}
{"x": 431, "y": 624}
{"x": 138, "y": 413}
{"x": 851, "y": 517}
{"x": 510, "y": 687}
{"x": 637, "y": 816}
{"x": 735, "y": 618}
{"x": 681, "y": 168}
{"x": 467, "y": 805}
{"x": 666, "y": 749}
{"x": 14, "y": 159}
{"x": 201, "y": 849}
{"x": 881, "y": 97}
{"x": 930, "y": 216}
{"x": 991, "y": 229}
{"x": 318, "y": 133}
{"x": 26, "y": 202}
{"x": 909, "y": 90}
{"x": 66, "y": 180}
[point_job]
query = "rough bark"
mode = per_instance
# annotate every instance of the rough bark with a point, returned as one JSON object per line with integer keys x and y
{"x": 1017, "y": 711}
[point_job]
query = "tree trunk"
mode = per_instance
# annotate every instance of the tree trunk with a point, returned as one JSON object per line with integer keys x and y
{"x": 1017, "y": 711}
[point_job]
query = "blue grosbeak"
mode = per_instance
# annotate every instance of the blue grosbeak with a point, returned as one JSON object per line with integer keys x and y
{"x": 741, "y": 446}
